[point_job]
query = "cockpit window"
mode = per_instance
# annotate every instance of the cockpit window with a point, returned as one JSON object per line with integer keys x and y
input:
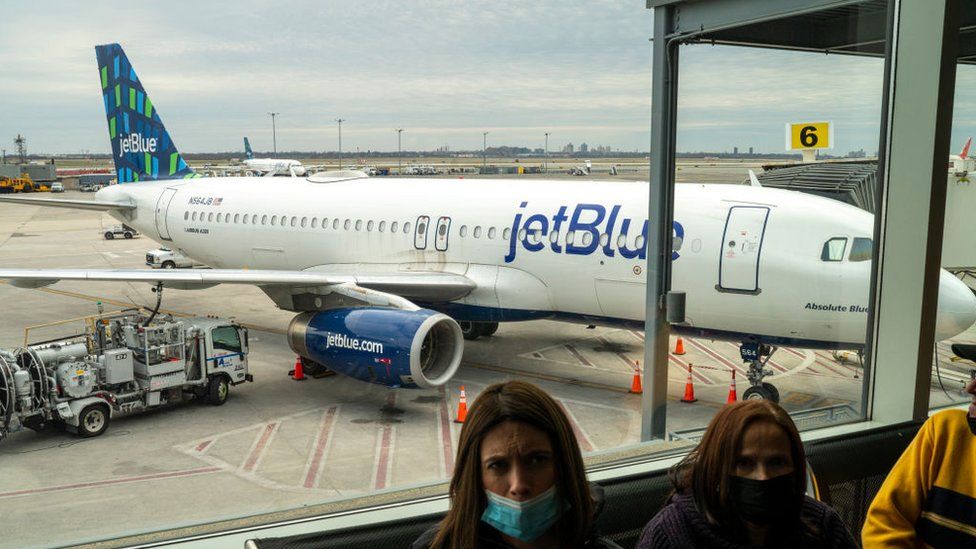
{"x": 833, "y": 249}
{"x": 861, "y": 249}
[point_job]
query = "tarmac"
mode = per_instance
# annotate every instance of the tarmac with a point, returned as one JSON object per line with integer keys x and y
{"x": 280, "y": 444}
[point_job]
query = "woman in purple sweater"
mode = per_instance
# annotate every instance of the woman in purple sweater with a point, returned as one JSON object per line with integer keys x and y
{"x": 743, "y": 486}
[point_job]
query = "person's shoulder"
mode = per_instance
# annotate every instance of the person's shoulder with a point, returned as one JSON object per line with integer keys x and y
{"x": 947, "y": 422}
{"x": 668, "y": 526}
{"x": 833, "y": 531}
{"x": 425, "y": 539}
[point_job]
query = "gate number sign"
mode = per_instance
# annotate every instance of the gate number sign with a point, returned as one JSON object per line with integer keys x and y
{"x": 809, "y": 135}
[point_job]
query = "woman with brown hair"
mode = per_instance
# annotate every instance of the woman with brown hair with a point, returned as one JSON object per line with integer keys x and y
{"x": 743, "y": 486}
{"x": 519, "y": 479}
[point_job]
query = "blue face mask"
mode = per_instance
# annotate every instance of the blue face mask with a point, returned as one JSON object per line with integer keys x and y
{"x": 525, "y": 520}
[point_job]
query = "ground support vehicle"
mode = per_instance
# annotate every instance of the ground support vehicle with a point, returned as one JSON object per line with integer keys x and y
{"x": 122, "y": 230}
{"x": 23, "y": 184}
{"x": 123, "y": 362}
{"x": 165, "y": 258}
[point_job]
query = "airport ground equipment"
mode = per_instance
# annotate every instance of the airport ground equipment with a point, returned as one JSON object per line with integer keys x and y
{"x": 22, "y": 184}
{"x": 123, "y": 231}
{"x": 122, "y": 362}
{"x": 852, "y": 182}
{"x": 165, "y": 258}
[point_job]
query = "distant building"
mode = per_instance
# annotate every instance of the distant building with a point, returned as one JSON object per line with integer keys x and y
{"x": 735, "y": 150}
{"x": 584, "y": 148}
{"x": 750, "y": 150}
{"x": 569, "y": 148}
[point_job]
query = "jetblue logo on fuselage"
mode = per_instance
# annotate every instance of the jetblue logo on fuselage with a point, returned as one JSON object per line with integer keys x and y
{"x": 135, "y": 143}
{"x": 587, "y": 224}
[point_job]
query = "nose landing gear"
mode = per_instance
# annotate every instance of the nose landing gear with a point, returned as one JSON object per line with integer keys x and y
{"x": 757, "y": 355}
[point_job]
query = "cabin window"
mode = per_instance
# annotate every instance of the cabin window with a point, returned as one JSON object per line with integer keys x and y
{"x": 861, "y": 249}
{"x": 621, "y": 240}
{"x": 245, "y": 219}
{"x": 274, "y": 220}
{"x": 210, "y": 217}
{"x": 506, "y": 234}
{"x": 521, "y": 234}
{"x": 325, "y": 223}
{"x": 604, "y": 239}
{"x": 477, "y": 231}
{"x": 421, "y": 228}
{"x": 335, "y": 224}
{"x": 359, "y": 224}
{"x": 237, "y": 218}
{"x": 369, "y": 225}
{"x": 346, "y": 224}
{"x": 294, "y": 221}
{"x": 833, "y": 249}
{"x": 639, "y": 242}
{"x": 491, "y": 233}
{"x": 463, "y": 231}
{"x": 315, "y": 222}
{"x": 406, "y": 228}
{"x": 227, "y": 218}
{"x": 588, "y": 237}
{"x": 186, "y": 215}
{"x": 394, "y": 226}
{"x": 442, "y": 230}
{"x": 304, "y": 222}
{"x": 553, "y": 237}
{"x": 382, "y": 226}
{"x": 570, "y": 237}
{"x": 194, "y": 216}
{"x": 264, "y": 219}
{"x": 220, "y": 217}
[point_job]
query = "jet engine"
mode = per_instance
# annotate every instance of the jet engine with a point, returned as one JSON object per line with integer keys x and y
{"x": 390, "y": 347}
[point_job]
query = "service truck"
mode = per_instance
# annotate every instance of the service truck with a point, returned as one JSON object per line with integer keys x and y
{"x": 122, "y": 362}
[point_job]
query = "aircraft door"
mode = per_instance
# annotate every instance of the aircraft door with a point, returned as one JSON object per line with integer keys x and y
{"x": 741, "y": 247}
{"x": 420, "y": 232}
{"x": 443, "y": 231}
{"x": 162, "y": 206}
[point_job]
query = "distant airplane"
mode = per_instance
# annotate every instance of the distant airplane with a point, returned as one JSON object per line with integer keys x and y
{"x": 271, "y": 166}
{"x": 382, "y": 271}
{"x": 960, "y": 164}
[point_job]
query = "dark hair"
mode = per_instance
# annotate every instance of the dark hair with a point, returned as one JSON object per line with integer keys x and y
{"x": 515, "y": 401}
{"x": 706, "y": 470}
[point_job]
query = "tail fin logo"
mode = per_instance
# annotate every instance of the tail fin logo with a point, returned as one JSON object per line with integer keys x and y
{"x": 135, "y": 143}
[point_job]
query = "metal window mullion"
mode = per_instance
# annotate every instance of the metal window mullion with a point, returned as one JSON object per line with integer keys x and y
{"x": 911, "y": 214}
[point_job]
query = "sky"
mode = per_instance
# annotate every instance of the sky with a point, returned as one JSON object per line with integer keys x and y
{"x": 444, "y": 71}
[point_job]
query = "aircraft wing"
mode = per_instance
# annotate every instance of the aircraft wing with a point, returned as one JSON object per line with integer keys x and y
{"x": 423, "y": 286}
{"x": 101, "y": 205}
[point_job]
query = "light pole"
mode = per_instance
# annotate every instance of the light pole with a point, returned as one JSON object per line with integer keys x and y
{"x": 274, "y": 137}
{"x": 340, "y": 121}
{"x": 546, "y": 160}
{"x": 484, "y": 151}
{"x": 399, "y": 163}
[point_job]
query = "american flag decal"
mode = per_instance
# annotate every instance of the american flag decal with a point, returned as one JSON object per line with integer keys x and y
{"x": 217, "y": 201}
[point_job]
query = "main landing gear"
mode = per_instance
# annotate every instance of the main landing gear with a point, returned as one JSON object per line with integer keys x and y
{"x": 757, "y": 355}
{"x": 473, "y": 330}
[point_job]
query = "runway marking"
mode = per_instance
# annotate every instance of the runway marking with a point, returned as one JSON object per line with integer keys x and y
{"x": 384, "y": 463}
{"x": 626, "y": 359}
{"x": 557, "y": 379}
{"x": 717, "y": 356}
{"x": 321, "y": 446}
{"x": 582, "y": 360}
{"x": 581, "y": 437}
{"x": 705, "y": 380}
{"x": 825, "y": 362}
{"x": 260, "y": 446}
{"x": 444, "y": 431}
{"x": 818, "y": 361}
{"x": 109, "y": 482}
{"x": 202, "y": 447}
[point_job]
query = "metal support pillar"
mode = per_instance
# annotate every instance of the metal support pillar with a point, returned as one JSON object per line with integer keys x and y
{"x": 660, "y": 209}
{"x": 918, "y": 118}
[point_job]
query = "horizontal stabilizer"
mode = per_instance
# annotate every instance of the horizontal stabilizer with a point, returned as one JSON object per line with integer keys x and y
{"x": 96, "y": 205}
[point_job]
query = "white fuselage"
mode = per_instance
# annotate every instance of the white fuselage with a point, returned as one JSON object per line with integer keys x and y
{"x": 749, "y": 258}
{"x": 280, "y": 166}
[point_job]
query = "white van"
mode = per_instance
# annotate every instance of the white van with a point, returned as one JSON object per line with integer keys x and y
{"x": 165, "y": 258}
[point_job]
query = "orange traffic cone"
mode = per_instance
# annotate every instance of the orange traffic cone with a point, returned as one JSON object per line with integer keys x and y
{"x": 689, "y": 388}
{"x": 635, "y": 385}
{"x": 462, "y": 412}
{"x": 298, "y": 374}
{"x": 733, "y": 394}
{"x": 679, "y": 347}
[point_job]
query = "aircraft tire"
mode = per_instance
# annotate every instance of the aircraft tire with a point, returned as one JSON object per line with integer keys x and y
{"x": 773, "y": 391}
{"x": 470, "y": 330}
{"x": 489, "y": 328}
{"x": 759, "y": 393}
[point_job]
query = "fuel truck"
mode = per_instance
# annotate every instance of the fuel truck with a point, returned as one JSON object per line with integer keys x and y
{"x": 123, "y": 362}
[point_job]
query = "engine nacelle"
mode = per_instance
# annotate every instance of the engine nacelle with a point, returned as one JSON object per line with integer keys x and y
{"x": 390, "y": 347}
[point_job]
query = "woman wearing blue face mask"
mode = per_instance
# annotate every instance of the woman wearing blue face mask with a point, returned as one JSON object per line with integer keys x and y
{"x": 519, "y": 480}
{"x": 743, "y": 486}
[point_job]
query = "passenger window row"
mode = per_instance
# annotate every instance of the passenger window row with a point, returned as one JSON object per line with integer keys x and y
{"x": 294, "y": 221}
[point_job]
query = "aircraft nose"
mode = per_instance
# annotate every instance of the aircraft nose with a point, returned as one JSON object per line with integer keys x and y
{"x": 957, "y": 307}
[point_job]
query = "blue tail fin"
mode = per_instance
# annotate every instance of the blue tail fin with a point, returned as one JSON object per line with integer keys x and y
{"x": 141, "y": 147}
{"x": 247, "y": 149}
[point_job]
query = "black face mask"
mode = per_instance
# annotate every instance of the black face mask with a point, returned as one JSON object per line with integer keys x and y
{"x": 764, "y": 501}
{"x": 972, "y": 423}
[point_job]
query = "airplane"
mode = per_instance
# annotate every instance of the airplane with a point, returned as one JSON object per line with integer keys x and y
{"x": 960, "y": 164}
{"x": 272, "y": 166}
{"x": 388, "y": 278}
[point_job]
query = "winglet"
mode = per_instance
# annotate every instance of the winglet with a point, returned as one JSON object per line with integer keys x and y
{"x": 753, "y": 180}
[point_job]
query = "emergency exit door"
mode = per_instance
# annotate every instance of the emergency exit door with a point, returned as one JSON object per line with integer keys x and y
{"x": 162, "y": 206}
{"x": 443, "y": 231}
{"x": 742, "y": 240}
{"x": 420, "y": 232}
